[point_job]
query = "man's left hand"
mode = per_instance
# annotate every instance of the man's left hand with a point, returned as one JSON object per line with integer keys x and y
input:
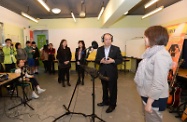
{"x": 110, "y": 60}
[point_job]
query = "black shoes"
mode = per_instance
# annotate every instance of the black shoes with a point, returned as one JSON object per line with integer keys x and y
{"x": 102, "y": 104}
{"x": 59, "y": 81}
{"x": 78, "y": 81}
{"x": 110, "y": 109}
{"x": 63, "y": 84}
{"x": 68, "y": 84}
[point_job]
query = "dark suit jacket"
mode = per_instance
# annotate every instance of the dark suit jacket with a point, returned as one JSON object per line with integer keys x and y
{"x": 83, "y": 55}
{"x": 62, "y": 56}
{"x": 109, "y": 70}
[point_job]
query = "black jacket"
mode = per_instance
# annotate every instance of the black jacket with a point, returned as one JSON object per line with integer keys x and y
{"x": 36, "y": 54}
{"x": 109, "y": 70}
{"x": 83, "y": 56}
{"x": 62, "y": 56}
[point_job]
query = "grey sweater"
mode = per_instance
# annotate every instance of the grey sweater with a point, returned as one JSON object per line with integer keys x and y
{"x": 21, "y": 54}
{"x": 155, "y": 83}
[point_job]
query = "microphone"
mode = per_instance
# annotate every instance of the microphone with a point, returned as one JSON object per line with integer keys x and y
{"x": 94, "y": 73}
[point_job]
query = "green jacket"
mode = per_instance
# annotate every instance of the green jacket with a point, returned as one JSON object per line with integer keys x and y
{"x": 7, "y": 55}
{"x": 28, "y": 51}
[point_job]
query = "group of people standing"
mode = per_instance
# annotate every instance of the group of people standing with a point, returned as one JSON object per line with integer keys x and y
{"x": 29, "y": 54}
{"x": 25, "y": 58}
{"x": 64, "y": 62}
{"x": 48, "y": 57}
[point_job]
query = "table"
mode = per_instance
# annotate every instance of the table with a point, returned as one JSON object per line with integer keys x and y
{"x": 124, "y": 61}
{"x": 11, "y": 77}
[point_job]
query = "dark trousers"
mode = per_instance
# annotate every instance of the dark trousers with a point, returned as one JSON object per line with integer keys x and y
{"x": 80, "y": 72}
{"x": 1, "y": 68}
{"x": 8, "y": 67}
{"x": 51, "y": 66}
{"x": 62, "y": 72}
{"x": 110, "y": 92}
{"x": 34, "y": 83}
{"x": 45, "y": 62}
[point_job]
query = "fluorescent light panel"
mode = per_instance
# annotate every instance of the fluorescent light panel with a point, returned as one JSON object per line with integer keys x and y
{"x": 29, "y": 17}
{"x": 73, "y": 16}
{"x": 150, "y": 3}
{"x": 101, "y": 12}
{"x": 153, "y": 12}
{"x": 44, "y": 5}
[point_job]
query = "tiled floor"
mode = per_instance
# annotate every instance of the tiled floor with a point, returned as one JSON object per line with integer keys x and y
{"x": 50, "y": 104}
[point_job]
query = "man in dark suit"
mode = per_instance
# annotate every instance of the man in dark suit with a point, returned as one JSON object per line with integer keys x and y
{"x": 108, "y": 57}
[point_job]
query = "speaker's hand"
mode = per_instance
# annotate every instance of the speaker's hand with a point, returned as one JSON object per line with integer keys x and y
{"x": 110, "y": 60}
{"x": 103, "y": 61}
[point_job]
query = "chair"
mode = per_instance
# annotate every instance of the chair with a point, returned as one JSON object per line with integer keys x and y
{"x": 23, "y": 84}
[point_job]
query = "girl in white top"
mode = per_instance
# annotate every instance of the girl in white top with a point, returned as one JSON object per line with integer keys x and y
{"x": 30, "y": 78}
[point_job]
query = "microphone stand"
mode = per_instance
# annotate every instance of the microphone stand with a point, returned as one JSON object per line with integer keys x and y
{"x": 93, "y": 115}
{"x": 94, "y": 74}
{"x": 25, "y": 99}
{"x": 67, "y": 108}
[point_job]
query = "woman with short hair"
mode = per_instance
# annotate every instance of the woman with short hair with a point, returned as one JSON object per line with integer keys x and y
{"x": 152, "y": 72}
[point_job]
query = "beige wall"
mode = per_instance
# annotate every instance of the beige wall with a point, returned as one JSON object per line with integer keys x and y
{"x": 14, "y": 25}
{"x": 89, "y": 29}
{"x": 173, "y": 14}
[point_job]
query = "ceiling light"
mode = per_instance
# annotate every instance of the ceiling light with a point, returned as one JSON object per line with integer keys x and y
{"x": 44, "y": 5}
{"x": 82, "y": 14}
{"x": 29, "y": 17}
{"x": 73, "y": 16}
{"x": 101, "y": 12}
{"x": 56, "y": 10}
{"x": 153, "y": 12}
{"x": 150, "y": 3}
{"x": 126, "y": 13}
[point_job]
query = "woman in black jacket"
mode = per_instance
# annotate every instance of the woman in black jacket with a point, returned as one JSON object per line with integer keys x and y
{"x": 80, "y": 60}
{"x": 64, "y": 62}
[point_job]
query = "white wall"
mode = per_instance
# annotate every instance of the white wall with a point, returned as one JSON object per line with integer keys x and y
{"x": 135, "y": 47}
{"x": 171, "y": 15}
{"x": 15, "y": 26}
{"x": 8, "y": 16}
{"x": 89, "y": 34}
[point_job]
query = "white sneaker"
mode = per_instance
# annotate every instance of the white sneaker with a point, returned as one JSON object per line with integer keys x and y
{"x": 34, "y": 95}
{"x": 41, "y": 91}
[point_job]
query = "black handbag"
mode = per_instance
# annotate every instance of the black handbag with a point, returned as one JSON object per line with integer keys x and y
{"x": 3, "y": 77}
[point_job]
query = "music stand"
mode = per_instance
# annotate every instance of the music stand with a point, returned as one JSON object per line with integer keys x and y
{"x": 25, "y": 99}
{"x": 94, "y": 74}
